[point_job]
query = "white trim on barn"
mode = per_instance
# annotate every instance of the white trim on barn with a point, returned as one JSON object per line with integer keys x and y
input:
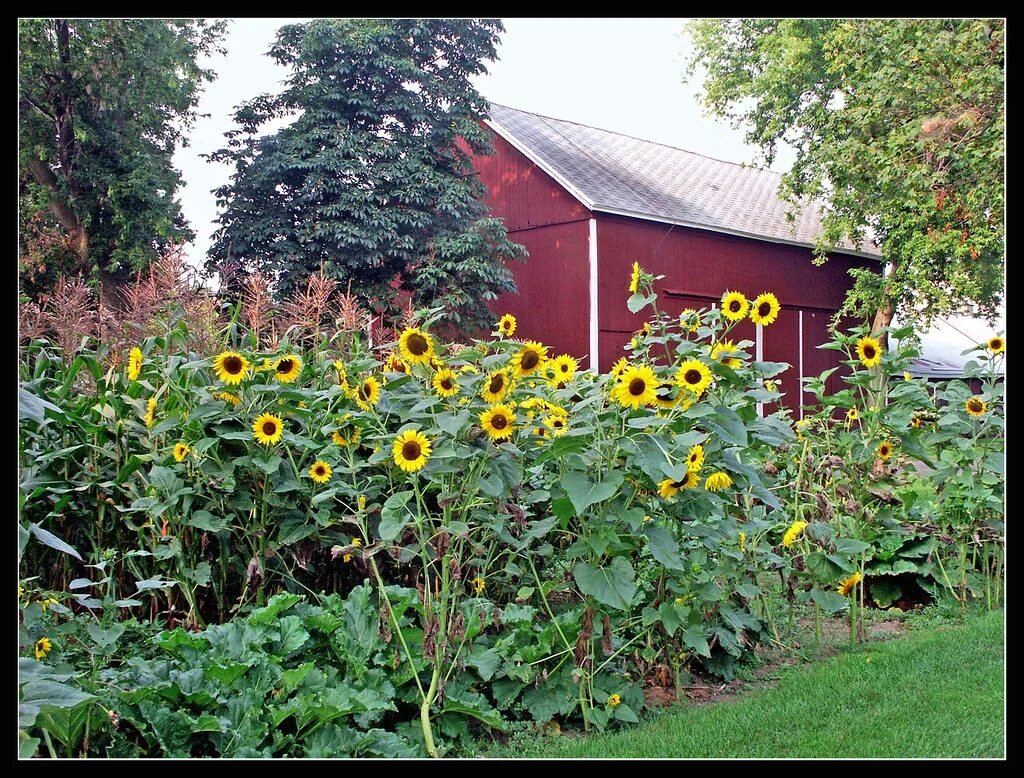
{"x": 594, "y": 331}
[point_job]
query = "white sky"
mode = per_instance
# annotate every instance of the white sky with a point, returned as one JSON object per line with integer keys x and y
{"x": 617, "y": 74}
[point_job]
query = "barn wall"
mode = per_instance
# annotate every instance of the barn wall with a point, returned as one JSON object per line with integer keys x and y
{"x": 553, "y": 304}
{"x": 699, "y": 266}
{"x": 521, "y": 193}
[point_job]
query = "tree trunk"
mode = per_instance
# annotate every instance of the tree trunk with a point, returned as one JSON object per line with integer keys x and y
{"x": 883, "y": 318}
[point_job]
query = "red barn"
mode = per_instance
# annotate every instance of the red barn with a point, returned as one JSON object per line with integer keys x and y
{"x": 587, "y": 203}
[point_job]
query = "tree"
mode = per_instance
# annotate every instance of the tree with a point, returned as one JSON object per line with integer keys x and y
{"x": 103, "y": 104}
{"x": 898, "y": 126}
{"x": 370, "y": 180}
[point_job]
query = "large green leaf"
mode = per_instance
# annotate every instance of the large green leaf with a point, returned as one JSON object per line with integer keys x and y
{"x": 664, "y": 547}
{"x": 395, "y": 515}
{"x": 613, "y": 585}
{"x": 583, "y": 492}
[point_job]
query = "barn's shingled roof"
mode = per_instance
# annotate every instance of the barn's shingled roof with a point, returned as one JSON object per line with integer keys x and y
{"x": 615, "y": 173}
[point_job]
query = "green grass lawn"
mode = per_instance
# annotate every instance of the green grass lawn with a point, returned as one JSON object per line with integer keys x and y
{"x": 934, "y": 693}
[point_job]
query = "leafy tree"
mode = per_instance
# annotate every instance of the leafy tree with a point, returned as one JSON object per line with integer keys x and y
{"x": 898, "y": 125}
{"x": 103, "y": 103}
{"x": 370, "y": 180}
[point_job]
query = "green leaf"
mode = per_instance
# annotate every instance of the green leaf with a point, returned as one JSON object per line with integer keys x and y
{"x": 693, "y": 637}
{"x": 850, "y": 546}
{"x": 51, "y": 540}
{"x": 583, "y": 492}
{"x": 613, "y": 585}
{"x": 829, "y": 601}
{"x": 38, "y": 693}
{"x": 664, "y": 547}
{"x": 395, "y": 515}
{"x": 105, "y": 637}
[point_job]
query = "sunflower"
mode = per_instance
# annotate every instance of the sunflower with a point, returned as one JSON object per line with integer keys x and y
{"x": 996, "y": 345}
{"x": 530, "y": 358}
{"x": 180, "y": 452}
{"x": 227, "y": 397}
{"x": 498, "y": 421}
{"x": 150, "y": 416}
{"x": 765, "y": 309}
{"x": 541, "y": 434}
{"x": 230, "y": 367}
{"x": 634, "y": 278}
{"x": 467, "y": 368}
{"x": 717, "y": 481}
{"x": 869, "y": 351}
{"x": 637, "y": 387}
{"x": 496, "y": 386}
{"x": 507, "y": 325}
{"x": 394, "y": 364}
{"x": 695, "y": 459}
{"x": 134, "y": 363}
{"x": 614, "y": 699}
{"x": 689, "y": 319}
{"x": 320, "y": 472}
{"x": 532, "y": 404}
{"x": 793, "y": 533}
{"x": 734, "y": 306}
{"x": 287, "y": 368}
{"x": 559, "y": 424}
{"x": 668, "y": 488}
{"x": 743, "y": 542}
{"x": 976, "y": 406}
{"x": 852, "y": 415}
{"x": 479, "y": 584}
{"x": 847, "y": 584}
{"x": 267, "y": 429}
{"x": 357, "y": 542}
{"x": 619, "y": 367}
{"x": 446, "y": 383}
{"x": 694, "y": 375}
{"x": 564, "y": 368}
{"x": 416, "y": 346}
{"x": 411, "y": 451}
{"x": 342, "y": 440}
{"x": 368, "y": 393}
{"x": 726, "y": 347}
{"x": 884, "y": 450}
{"x": 664, "y": 397}
{"x": 42, "y": 648}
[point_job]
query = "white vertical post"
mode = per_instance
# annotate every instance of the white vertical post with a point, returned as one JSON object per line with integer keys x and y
{"x": 800, "y": 378}
{"x": 593, "y": 296}
{"x": 759, "y": 356}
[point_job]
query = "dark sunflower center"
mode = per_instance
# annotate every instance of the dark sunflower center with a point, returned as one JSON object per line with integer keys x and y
{"x": 496, "y": 384}
{"x": 364, "y": 392}
{"x": 411, "y": 450}
{"x": 233, "y": 365}
{"x": 974, "y": 405}
{"x": 734, "y": 306}
{"x": 996, "y": 344}
{"x": 693, "y": 457}
{"x": 446, "y": 384}
{"x": 764, "y": 309}
{"x": 564, "y": 368}
{"x": 269, "y": 428}
{"x": 869, "y": 351}
{"x": 530, "y": 360}
{"x": 637, "y": 387}
{"x": 417, "y": 344}
{"x": 499, "y": 422}
{"x": 558, "y": 424}
{"x": 679, "y": 484}
{"x": 285, "y": 366}
{"x": 319, "y": 470}
{"x": 692, "y": 376}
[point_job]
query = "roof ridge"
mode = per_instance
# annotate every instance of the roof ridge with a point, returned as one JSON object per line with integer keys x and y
{"x": 741, "y": 165}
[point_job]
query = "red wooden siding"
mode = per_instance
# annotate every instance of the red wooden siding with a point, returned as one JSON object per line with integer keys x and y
{"x": 553, "y": 304}
{"x": 523, "y": 194}
{"x": 699, "y": 266}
